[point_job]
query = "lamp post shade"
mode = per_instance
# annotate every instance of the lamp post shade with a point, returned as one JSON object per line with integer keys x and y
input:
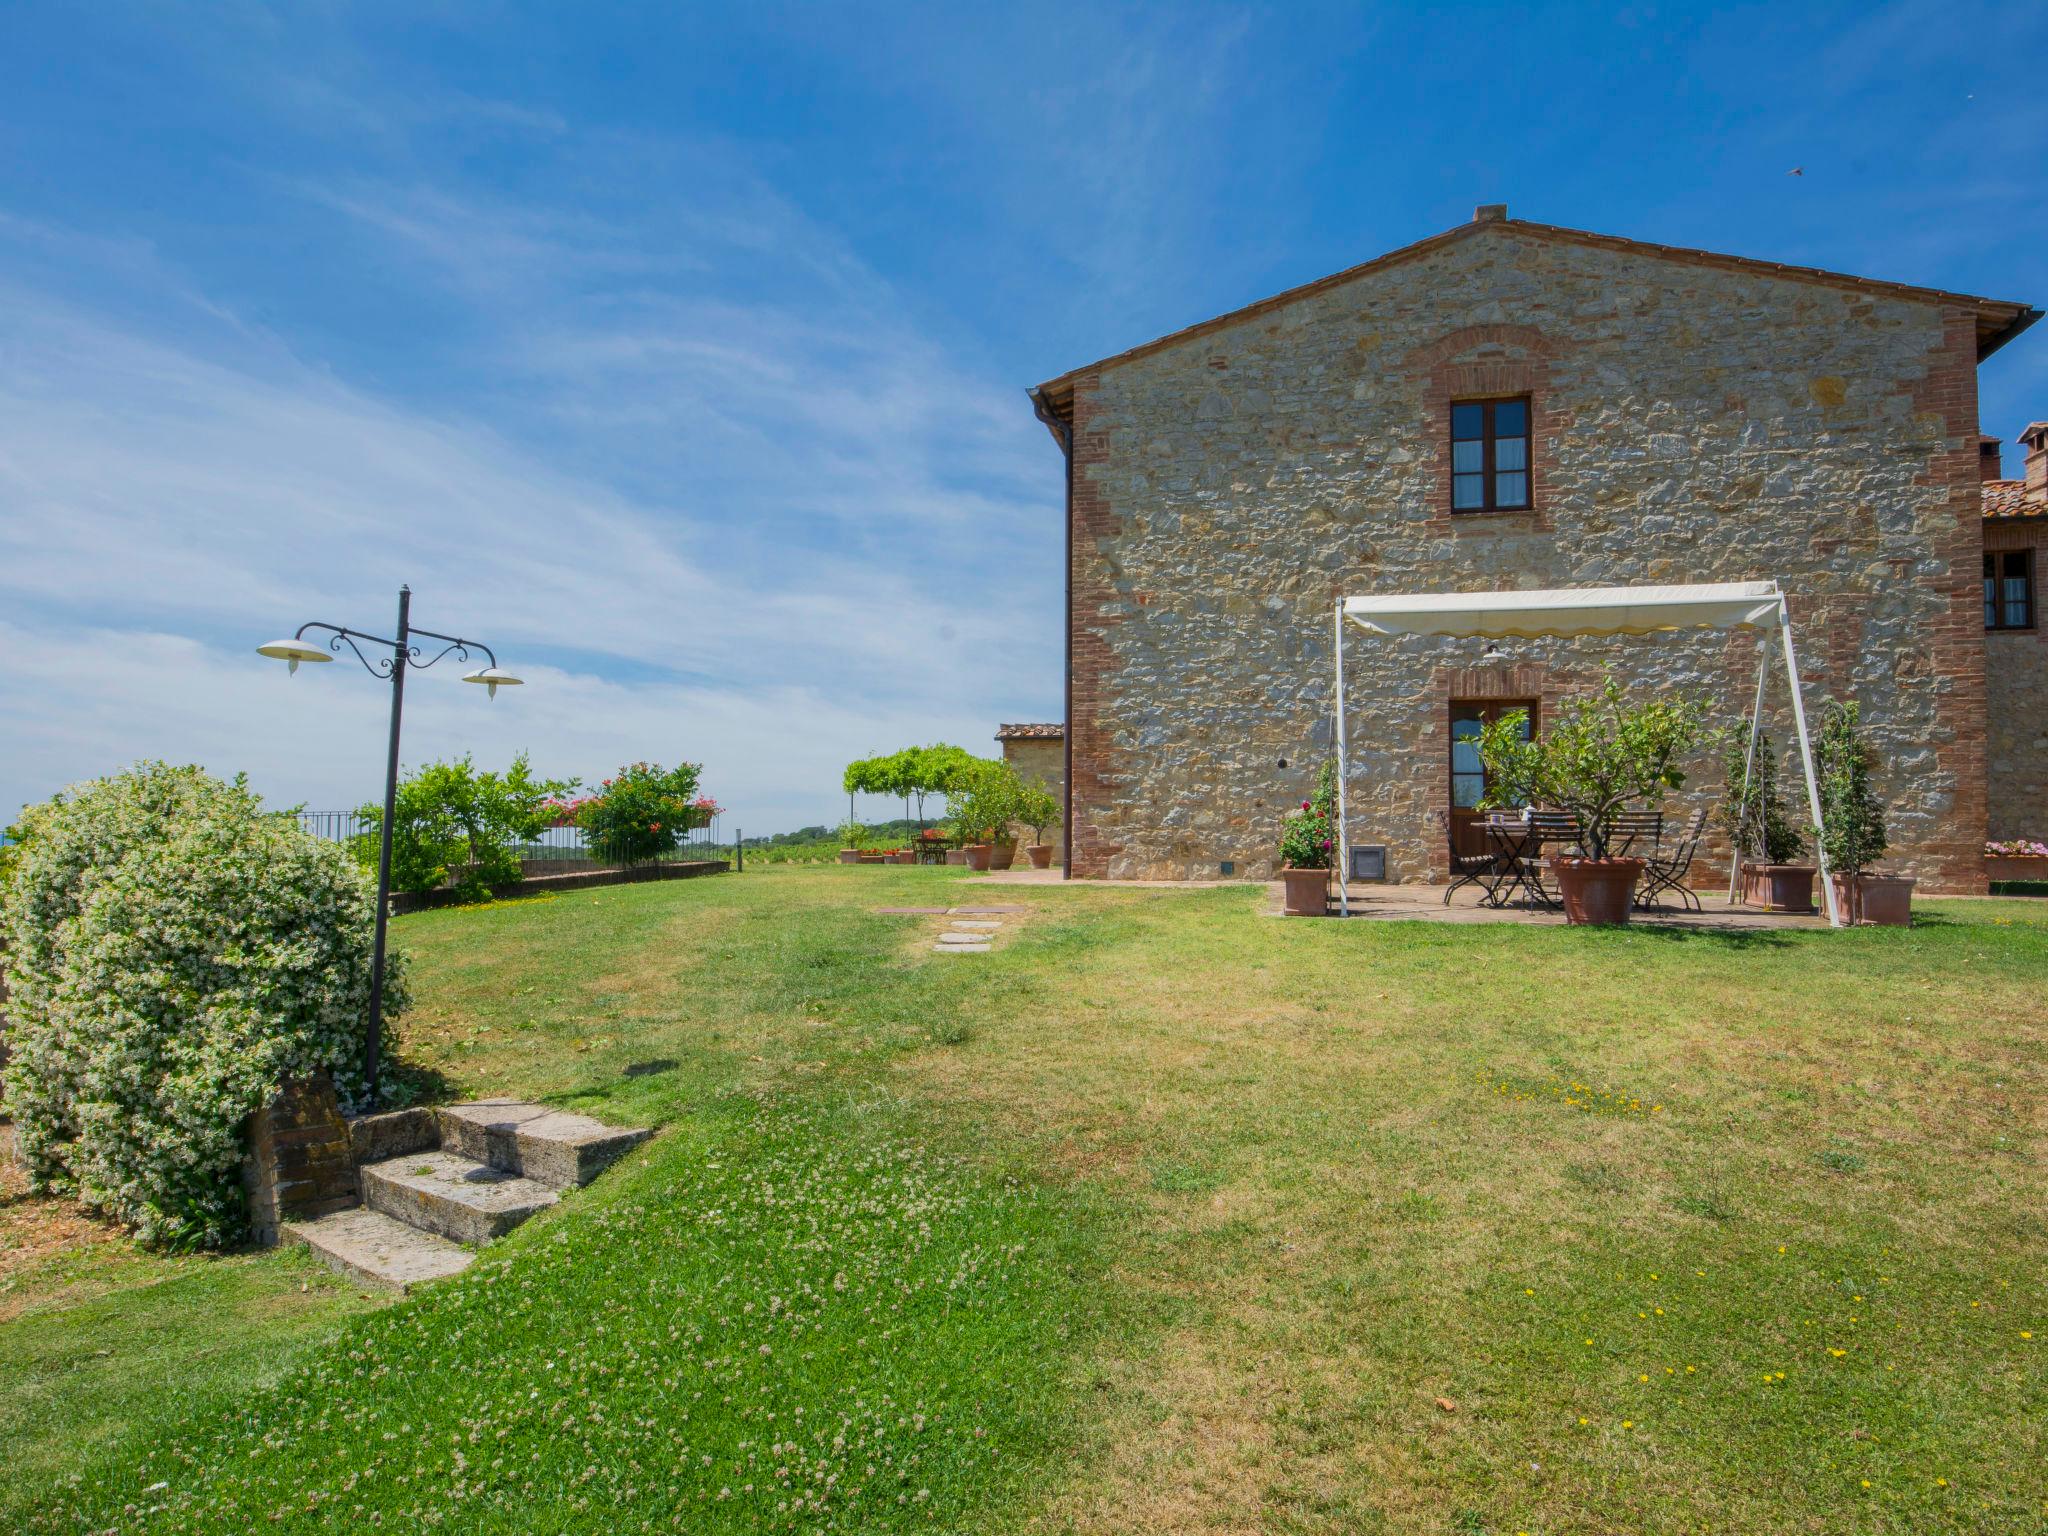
{"x": 294, "y": 651}
{"x": 493, "y": 678}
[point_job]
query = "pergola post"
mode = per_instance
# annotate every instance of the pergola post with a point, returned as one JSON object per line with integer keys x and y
{"x": 1756, "y": 725}
{"x": 1340, "y": 856}
{"x": 1820, "y": 847}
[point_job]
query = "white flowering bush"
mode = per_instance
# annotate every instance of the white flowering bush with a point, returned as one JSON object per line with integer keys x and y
{"x": 174, "y": 954}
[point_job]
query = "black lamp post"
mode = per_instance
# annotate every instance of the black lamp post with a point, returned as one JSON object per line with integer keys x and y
{"x": 404, "y": 654}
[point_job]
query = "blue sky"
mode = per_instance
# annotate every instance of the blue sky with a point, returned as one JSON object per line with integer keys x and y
{"x": 679, "y": 352}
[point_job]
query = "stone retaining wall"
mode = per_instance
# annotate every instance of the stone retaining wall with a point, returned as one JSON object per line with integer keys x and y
{"x": 409, "y": 901}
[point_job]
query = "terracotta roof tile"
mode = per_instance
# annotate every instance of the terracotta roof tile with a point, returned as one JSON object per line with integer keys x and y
{"x": 1030, "y": 732}
{"x": 2008, "y": 498}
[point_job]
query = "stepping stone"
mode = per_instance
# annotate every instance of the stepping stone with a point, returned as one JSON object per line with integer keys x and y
{"x": 453, "y": 1195}
{"x": 963, "y": 938}
{"x": 910, "y": 911}
{"x": 373, "y": 1249}
{"x": 943, "y": 948}
{"x": 985, "y": 911}
{"x": 962, "y": 924}
{"x": 555, "y": 1147}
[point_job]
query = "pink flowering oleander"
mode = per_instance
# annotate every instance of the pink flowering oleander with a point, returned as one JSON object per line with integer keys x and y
{"x": 2018, "y": 848}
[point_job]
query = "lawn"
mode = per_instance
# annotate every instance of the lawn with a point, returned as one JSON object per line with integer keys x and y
{"x": 1164, "y": 1216}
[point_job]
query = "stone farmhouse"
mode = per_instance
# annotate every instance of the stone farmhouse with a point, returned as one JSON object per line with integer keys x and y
{"x": 1514, "y": 405}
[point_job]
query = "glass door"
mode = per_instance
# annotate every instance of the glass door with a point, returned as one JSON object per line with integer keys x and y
{"x": 1468, "y": 773}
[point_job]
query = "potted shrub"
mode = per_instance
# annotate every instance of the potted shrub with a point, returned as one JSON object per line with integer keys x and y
{"x": 1761, "y": 836}
{"x": 1306, "y": 840}
{"x": 984, "y": 791}
{"x": 1037, "y": 809}
{"x": 850, "y": 834}
{"x": 1601, "y": 756}
{"x": 1852, "y": 830}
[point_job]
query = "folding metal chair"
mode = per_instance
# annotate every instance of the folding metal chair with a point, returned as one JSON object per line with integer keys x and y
{"x": 1485, "y": 870}
{"x": 1667, "y": 867}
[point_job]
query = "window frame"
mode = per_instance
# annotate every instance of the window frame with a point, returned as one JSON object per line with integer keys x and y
{"x": 1995, "y": 622}
{"x": 1488, "y": 440}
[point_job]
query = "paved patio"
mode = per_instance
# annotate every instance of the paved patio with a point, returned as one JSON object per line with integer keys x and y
{"x": 1425, "y": 903}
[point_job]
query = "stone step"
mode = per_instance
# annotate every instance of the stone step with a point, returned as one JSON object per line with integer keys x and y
{"x": 555, "y": 1147}
{"x": 375, "y": 1249}
{"x": 453, "y": 1195}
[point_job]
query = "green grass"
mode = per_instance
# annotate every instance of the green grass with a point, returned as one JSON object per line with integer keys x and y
{"x": 130, "y": 1348}
{"x": 1200, "y": 1218}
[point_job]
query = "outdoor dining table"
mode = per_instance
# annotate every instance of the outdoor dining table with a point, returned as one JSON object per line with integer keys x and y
{"x": 1519, "y": 846}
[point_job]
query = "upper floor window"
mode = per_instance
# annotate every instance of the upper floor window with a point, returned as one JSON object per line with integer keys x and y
{"x": 1490, "y": 456}
{"x": 2009, "y": 589}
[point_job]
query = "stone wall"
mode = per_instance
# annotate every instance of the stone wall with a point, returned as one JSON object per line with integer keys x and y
{"x": 2016, "y": 700}
{"x": 1693, "y": 422}
{"x": 1045, "y": 760}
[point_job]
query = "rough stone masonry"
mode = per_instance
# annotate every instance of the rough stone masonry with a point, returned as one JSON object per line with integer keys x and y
{"x": 1694, "y": 418}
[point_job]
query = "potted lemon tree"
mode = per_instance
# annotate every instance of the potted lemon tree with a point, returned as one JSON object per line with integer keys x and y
{"x": 1600, "y": 757}
{"x": 1761, "y": 836}
{"x": 983, "y": 792}
{"x": 1037, "y": 809}
{"x": 1852, "y": 829}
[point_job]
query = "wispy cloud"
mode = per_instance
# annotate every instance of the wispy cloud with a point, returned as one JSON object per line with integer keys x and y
{"x": 751, "y": 521}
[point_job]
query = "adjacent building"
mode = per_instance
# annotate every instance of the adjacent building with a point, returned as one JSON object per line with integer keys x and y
{"x": 1513, "y": 405}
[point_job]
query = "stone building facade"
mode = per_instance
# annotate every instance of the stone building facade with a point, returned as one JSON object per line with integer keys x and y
{"x": 1039, "y": 753}
{"x": 1687, "y": 417}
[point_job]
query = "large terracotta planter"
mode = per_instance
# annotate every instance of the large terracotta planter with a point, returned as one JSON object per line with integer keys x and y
{"x": 903, "y": 856}
{"x": 874, "y": 858}
{"x": 1598, "y": 892}
{"x": 1040, "y": 855}
{"x": 1308, "y": 891}
{"x": 1778, "y": 887}
{"x": 1883, "y": 900}
{"x": 1002, "y": 856}
{"x": 2006, "y": 866}
{"x": 849, "y": 855}
{"x": 978, "y": 855}
{"x": 956, "y": 855}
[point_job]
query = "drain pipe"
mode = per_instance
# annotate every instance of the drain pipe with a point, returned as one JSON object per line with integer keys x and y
{"x": 1063, "y": 433}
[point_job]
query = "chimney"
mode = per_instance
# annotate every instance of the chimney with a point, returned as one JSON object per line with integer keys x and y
{"x": 1988, "y": 468}
{"x": 1490, "y": 213}
{"x": 2036, "y": 439}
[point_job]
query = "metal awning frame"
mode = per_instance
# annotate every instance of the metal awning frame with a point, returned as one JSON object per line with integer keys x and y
{"x": 1590, "y": 611}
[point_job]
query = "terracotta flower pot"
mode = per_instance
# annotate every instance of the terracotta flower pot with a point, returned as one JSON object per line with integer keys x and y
{"x": 1308, "y": 891}
{"x": 1885, "y": 901}
{"x": 978, "y": 855}
{"x": 903, "y": 856}
{"x": 1778, "y": 887}
{"x": 849, "y": 855}
{"x": 1002, "y": 856}
{"x": 956, "y": 855}
{"x": 1040, "y": 855}
{"x": 2015, "y": 866}
{"x": 1598, "y": 891}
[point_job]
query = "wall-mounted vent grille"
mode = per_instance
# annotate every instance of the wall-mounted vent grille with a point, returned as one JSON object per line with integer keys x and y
{"x": 1369, "y": 863}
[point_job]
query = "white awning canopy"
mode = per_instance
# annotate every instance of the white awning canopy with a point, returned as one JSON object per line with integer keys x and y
{"x": 1587, "y": 611}
{"x": 1572, "y": 610}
